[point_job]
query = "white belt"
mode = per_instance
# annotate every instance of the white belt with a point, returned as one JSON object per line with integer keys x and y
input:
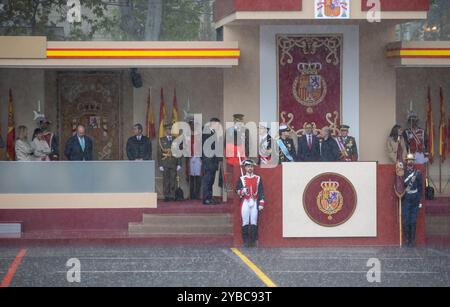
{"x": 412, "y": 192}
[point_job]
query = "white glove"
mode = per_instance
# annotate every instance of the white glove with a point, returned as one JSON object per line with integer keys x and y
{"x": 260, "y": 208}
{"x": 244, "y": 191}
{"x": 178, "y": 167}
{"x": 420, "y": 206}
{"x": 161, "y": 169}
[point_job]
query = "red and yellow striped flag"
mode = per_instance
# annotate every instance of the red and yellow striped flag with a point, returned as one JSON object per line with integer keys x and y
{"x": 175, "y": 116}
{"x": 162, "y": 115}
{"x": 11, "y": 136}
{"x": 442, "y": 128}
{"x": 430, "y": 127}
{"x": 150, "y": 118}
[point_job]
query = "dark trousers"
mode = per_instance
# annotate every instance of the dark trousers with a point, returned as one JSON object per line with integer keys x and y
{"x": 207, "y": 184}
{"x": 195, "y": 183}
{"x": 169, "y": 182}
{"x": 410, "y": 211}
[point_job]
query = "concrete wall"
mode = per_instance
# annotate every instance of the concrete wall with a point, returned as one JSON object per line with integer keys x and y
{"x": 241, "y": 83}
{"x": 377, "y": 91}
{"x": 412, "y": 85}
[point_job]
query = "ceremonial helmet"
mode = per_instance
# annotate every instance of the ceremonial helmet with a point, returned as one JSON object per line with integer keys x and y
{"x": 248, "y": 162}
{"x": 410, "y": 156}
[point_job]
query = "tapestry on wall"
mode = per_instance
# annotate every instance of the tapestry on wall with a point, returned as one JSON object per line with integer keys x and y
{"x": 91, "y": 99}
{"x": 310, "y": 80}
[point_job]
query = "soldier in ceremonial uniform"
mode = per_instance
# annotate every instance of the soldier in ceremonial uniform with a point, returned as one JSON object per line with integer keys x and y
{"x": 169, "y": 165}
{"x": 251, "y": 192}
{"x": 411, "y": 200}
{"x": 347, "y": 145}
{"x": 237, "y": 138}
{"x": 211, "y": 161}
{"x": 415, "y": 139}
{"x": 287, "y": 152}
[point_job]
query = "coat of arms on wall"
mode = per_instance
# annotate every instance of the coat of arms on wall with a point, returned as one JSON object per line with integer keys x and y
{"x": 309, "y": 80}
{"x": 329, "y": 199}
{"x": 92, "y": 99}
{"x": 332, "y": 9}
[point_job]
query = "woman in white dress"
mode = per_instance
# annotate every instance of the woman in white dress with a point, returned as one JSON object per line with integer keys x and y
{"x": 24, "y": 150}
{"x": 41, "y": 148}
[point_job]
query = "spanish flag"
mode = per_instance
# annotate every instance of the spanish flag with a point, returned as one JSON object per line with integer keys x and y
{"x": 442, "y": 129}
{"x": 175, "y": 117}
{"x": 430, "y": 127}
{"x": 162, "y": 115}
{"x": 11, "y": 136}
{"x": 150, "y": 118}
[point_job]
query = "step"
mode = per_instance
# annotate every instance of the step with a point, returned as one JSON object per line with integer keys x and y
{"x": 187, "y": 219}
{"x": 140, "y": 228}
{"x": 437, "y": 225}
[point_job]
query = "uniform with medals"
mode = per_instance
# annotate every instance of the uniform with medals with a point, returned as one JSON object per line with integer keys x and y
{"x": 169, "y": 165}
{"x": 287, "y": 151}
{"x": 250, "y": 190}
{"x": 347, "y": 145}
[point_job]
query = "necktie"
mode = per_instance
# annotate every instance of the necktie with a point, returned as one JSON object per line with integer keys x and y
{"x": 309, "y": 142}
{"x": 82, "y": 143}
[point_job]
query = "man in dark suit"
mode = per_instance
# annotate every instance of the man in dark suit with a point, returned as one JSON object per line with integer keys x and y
{"x": 329, "y": 149}
{"x": 308, "y": 146}
{"x": 210, "y": 159}
{"x": 139, "y": 146}
{"x": 79, "y": 147}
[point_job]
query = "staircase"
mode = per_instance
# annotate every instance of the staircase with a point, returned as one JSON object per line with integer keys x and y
{"x": 183, "y": 224}
{"x": 438, "y": 222}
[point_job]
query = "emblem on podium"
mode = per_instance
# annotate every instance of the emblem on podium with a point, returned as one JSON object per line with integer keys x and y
{"x": 329, "y": 199}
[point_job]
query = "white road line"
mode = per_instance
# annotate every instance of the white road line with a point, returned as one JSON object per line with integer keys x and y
{"x": 351, "y": 258}
{"x": 352, "y": 272}
{"x": 137, "y": 271}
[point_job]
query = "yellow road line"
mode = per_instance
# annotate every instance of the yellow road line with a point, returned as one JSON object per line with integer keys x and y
{"x": 265, "y": 279}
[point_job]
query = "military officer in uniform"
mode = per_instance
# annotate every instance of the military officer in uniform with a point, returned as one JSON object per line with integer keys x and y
{"x": 287, "y": 152}
{"x": 251, "y": 192}
{"x": 168, "y": 164}
{"x": 411, "y": 200}
{"x": 237, "y": 138}
{"x": 347, "y": 145}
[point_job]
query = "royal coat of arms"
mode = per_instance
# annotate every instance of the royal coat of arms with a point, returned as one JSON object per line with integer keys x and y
{"x": 332, "y": 9}
{"x": 330, "y": 200}
{"x": 309, "y": 88}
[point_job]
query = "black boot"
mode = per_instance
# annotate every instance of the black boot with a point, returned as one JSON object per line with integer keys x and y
{"x": 406, "y": 237}
{"x": 253, "y": 235}
{"x": 412, "y": 235}
{"x": 245, "y": 235}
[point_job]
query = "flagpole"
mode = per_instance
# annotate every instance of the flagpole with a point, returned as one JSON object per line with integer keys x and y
{"x": 400, "y": 221}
